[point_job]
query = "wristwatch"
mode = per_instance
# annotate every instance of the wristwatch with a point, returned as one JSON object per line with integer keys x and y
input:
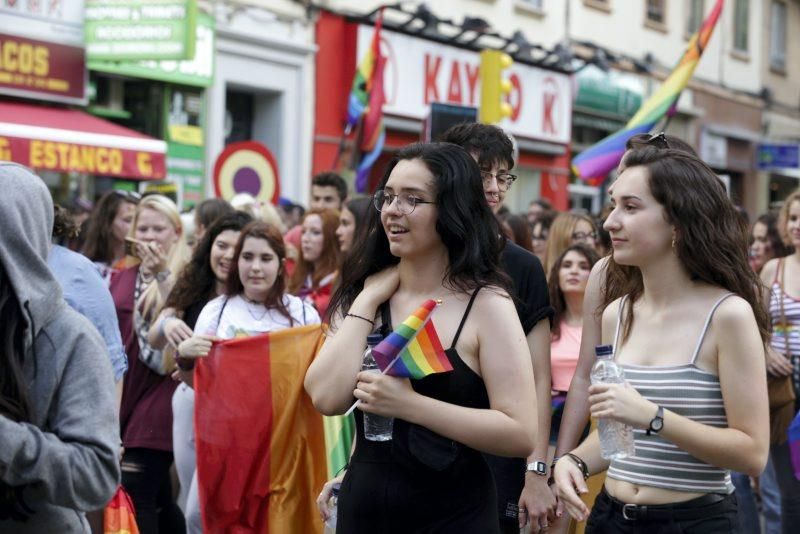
{"x": 162, "y": 276}
{"x": 657, "y": 422}
{"x": 540, "y": 468}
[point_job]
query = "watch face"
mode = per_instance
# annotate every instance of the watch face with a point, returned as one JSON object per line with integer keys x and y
{"x": 538, "y": 467}
{"x": 657, "y": 424}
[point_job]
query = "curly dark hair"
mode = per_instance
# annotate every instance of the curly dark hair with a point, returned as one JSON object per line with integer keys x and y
{"x": 490, "y": 143}
{"x": 196, "y": 282}
{"x": 63, "y": 223}
{"x": 465, "y": 224}
{"x": 710, "y": 236}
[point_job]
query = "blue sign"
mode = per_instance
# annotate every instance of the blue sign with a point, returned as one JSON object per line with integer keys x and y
{"x": 778, "y": 157}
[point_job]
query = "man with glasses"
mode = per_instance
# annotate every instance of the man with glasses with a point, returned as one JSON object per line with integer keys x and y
{"x": 522, "y": 491}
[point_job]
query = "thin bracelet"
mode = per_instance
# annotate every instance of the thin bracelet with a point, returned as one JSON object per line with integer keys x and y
{"x": 360, "y": 317}
{"x": 581, "y": 465}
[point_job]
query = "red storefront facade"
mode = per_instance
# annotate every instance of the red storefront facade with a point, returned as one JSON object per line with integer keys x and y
{"x": 419, "y": 72}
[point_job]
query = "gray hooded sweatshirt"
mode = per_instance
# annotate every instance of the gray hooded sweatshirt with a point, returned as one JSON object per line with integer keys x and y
{"x": 67, "y": 456}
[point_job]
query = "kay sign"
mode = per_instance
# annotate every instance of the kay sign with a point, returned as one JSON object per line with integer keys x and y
{"x": 419, "y": 72}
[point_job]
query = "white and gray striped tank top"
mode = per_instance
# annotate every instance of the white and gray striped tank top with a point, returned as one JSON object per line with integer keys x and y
{"x": 687, "y": 391}
{"x": 787, "y": 332}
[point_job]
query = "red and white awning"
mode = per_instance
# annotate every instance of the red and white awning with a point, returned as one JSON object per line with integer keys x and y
{"x": 59, "y": 139}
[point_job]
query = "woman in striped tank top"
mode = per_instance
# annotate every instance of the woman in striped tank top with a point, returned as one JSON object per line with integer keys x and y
{"x": 690, "y": 334}
{"x": 782, "y": 276}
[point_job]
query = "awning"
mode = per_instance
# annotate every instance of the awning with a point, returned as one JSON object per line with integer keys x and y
{"x": 59, "y": 139}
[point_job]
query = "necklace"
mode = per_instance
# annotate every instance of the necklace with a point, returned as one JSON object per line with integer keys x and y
{"x": 248, "y": 305}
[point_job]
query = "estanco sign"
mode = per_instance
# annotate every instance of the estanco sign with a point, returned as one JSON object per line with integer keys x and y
{"x": 41, "y": 50}
{"x": 419, "y": 72}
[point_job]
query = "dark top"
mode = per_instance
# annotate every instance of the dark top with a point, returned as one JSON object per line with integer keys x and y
{"x": 531, "y": 297}
{"x": 421, "y": 481}
{"x": 145, "y": 416}
{"x": 532, "y": 301}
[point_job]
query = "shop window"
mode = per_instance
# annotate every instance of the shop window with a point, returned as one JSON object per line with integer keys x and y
{"x": 601, "y": 5}
{"x": 777, "y": 38}
{"x": 536, "y": 5}
{"x": 239, "y": 108}
{"x": 656, "y": 12}
{"x": 740, "y": 22}
{"x": 696, "y": 10}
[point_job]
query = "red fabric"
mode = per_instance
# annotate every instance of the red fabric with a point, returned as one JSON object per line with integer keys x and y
{"x": 119, "y": 516}
{"x": 260, "y": 443}
{"x": 145, "y": 416}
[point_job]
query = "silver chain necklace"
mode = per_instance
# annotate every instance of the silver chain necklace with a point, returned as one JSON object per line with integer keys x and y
{"x": 248, "y": 303}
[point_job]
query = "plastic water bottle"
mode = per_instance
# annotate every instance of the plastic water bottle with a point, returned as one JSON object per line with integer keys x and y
{"x": 376, "y": 427}
{"x": 616, "y": 439}
{"x": 333, "y": 504}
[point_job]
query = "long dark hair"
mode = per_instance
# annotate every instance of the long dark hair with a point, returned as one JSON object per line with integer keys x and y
{"x": 14, "y": 401}
{"x": 557, "y": 300}
{"x": 779, "y": 248}
{"x": 196, "y": 282}
{"x": 710, "y": 236}
{"x": 465, "y": 224}
{"x": 98, "y": 244}
{"x": 520, "y": 231}
{"x": 270, "y": 234}
{"x": 360, "y": 208}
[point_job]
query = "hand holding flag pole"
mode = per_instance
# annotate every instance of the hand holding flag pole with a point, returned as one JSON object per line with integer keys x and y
{"x": 413, "y": 350}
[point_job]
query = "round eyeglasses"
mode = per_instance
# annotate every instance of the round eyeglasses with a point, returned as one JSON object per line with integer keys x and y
{"x": 406, "y": 202}
{"x": 504, "y": 179}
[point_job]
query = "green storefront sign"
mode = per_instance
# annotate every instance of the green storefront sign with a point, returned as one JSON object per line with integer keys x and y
{"x": 124, "y": 30}
{"x": 197, "y": 71}
{"x": 613, "y": 94}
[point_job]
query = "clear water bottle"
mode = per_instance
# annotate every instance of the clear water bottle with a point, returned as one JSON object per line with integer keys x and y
{"x": 616, "y": 439}
{"x": 376, "y": 427}
{"x": 333, "y": 505}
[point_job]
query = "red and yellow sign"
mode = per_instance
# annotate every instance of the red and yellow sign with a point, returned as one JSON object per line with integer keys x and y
{"x": 38, "y": 69}
{"x": 59, "y": 156}
{"x": 247, "y": 167}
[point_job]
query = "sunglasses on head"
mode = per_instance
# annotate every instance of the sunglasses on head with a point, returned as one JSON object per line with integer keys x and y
{"x": 130, "y": 196}
{"x": 658, "y": 140}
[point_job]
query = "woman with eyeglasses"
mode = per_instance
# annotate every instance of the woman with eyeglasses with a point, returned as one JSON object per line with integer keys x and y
{"x": 688, "y": 327}
{"x": 419, "y": 248}
{"x": 317, "y": 267}
{"x": 568, "y": 229}
{"x": 107, "y": 228}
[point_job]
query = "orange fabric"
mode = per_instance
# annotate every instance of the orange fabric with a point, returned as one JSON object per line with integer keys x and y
{"x": 119, "y": 516}
{"x": 260, "y": 442}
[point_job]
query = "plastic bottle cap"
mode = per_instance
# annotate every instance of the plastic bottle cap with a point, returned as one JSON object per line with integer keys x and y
{"x": 374, "y": 339}
{"x": 604, "y": 350}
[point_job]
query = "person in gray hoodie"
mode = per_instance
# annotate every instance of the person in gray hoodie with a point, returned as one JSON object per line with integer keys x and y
{"x": 59, "y": 432}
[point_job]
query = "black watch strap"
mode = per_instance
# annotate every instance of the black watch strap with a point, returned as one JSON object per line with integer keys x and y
{"x": 657, "y": 422}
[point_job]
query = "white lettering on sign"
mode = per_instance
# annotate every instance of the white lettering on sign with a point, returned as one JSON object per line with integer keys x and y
{"x": 419, "y": 72}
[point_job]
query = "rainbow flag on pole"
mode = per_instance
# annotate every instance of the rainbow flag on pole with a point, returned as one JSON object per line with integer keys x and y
{"x": 596, "y": 162}
{"x": 413, "y": 350}
{"x": 366, "y": 102}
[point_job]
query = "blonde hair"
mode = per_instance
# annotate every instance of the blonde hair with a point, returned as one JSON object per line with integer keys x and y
{"x": 783, "y": 218}
{"x": 560, "y": 236}
{"x": 151, "y": 302}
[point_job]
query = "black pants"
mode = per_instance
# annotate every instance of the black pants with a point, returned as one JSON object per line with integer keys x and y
{"x": 145, "y": 476}
{"x": 720, "y": 517}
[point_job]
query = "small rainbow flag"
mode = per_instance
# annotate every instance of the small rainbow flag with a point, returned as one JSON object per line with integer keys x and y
{"x": 119, "y": 516}
{"x": 413, "y": 350}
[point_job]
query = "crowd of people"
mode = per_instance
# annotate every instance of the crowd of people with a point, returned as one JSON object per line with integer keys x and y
{"x": 697, "y": 303}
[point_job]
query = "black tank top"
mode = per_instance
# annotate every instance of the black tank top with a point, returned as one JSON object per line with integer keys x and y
{"x": 421, "y": 481}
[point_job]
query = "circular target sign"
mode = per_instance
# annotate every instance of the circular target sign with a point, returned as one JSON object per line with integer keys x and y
{"x": 247, "y": 167}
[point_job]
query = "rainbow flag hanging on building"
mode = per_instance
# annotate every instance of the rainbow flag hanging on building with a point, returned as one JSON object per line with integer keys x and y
{"x": 594, "y": 163}
{"x": 413, "y": 350}
{"x": 366, "y": 102}
{"x": 261, "y": 458}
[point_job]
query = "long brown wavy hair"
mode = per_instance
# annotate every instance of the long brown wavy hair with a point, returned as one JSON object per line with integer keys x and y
{"x": 98, "y": 245}
{"x": 557, "y": 300}
{"x": 329, "y": 259}
{"x": 273, "y": 237}
{"x": 710, "y": 237}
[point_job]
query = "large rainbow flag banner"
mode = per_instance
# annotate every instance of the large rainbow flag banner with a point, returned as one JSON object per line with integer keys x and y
{"x": 596, "y": 162}
{"x": 413, "y": 350}
{"x": 260, "y": 442}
